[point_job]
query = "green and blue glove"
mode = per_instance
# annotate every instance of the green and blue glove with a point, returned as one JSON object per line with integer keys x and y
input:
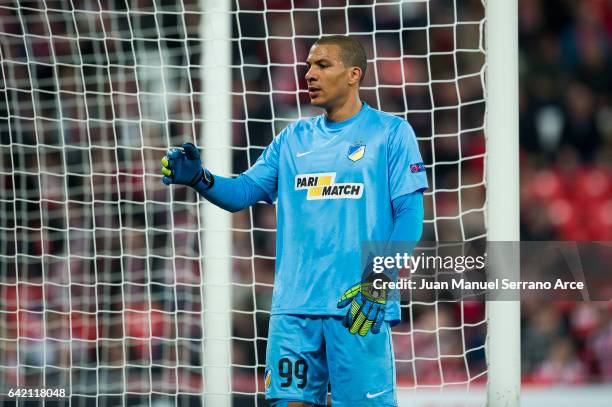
{"x": 367, "y": 311}
{"x": 183, "y": 166}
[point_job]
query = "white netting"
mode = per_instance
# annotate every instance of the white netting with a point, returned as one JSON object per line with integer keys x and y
{"x": 100, "y": 271}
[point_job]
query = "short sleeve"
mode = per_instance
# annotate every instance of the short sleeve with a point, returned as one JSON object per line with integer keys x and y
{"x": 406, "y": 167}
{"x": 265, "y": 170}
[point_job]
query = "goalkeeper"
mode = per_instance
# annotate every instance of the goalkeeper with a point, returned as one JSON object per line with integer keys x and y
{"x": 350, "y": 175}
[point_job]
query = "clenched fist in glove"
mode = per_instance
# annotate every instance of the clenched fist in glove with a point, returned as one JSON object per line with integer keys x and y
{"x": 183, "y": 166}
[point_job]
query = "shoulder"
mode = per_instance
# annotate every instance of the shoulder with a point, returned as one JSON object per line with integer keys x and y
{"x": 298, "y": 127}
{"x": 390, "y": 121}
{"x": 305, "y": 124}
{"x": 398, "y": 131}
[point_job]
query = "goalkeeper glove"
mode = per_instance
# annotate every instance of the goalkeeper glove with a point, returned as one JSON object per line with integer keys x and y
{"x": 183, "y": 166}
{"x": 367, "y": 311}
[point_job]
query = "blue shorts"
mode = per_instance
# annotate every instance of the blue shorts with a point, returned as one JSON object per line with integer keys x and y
{"x": 305, "y": 353}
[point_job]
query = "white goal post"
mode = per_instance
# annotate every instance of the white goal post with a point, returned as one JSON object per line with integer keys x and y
{"x": 503, "y": 211}
{"x": 124, "y": 291}
{"x": 216, "y": 291}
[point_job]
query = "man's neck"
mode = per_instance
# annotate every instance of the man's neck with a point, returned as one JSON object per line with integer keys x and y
{"x": 350, "y": 108}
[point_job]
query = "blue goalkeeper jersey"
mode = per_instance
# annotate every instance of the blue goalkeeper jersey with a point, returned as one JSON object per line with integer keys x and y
{"x": 335, "y": 182}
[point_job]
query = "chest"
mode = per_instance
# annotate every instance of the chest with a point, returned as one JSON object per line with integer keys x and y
{"x": 346, "y": 154}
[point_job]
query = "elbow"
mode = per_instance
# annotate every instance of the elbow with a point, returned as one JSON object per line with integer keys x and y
{"x": 234, "y": 208}
{"x": 225, "y": 206}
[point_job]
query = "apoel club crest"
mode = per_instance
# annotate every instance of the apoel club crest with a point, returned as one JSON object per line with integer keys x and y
{"x": 356, "y": 151}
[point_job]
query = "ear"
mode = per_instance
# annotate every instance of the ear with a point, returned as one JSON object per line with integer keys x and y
{"x": 355, "y": 74}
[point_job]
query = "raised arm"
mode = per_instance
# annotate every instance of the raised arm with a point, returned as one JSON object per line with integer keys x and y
{"x": 183, "y": 166}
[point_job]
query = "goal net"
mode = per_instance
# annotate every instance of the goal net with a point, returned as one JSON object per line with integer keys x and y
{"x": 103, "y": 287}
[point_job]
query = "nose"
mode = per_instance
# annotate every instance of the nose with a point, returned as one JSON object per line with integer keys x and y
{"x": 310, "y": 75}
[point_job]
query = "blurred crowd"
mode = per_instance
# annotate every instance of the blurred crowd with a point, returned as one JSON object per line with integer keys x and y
{"x": 566, "y": 120}
{"x": 100, "y": 262}
{"x": 566, "y": 174}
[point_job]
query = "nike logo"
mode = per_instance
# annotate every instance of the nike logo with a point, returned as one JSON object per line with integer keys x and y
{"x": 371, "y": 396}
{"x": 303, "y": 154}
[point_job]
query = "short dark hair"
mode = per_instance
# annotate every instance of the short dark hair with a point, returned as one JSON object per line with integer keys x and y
{"x": 352, "y": 52}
